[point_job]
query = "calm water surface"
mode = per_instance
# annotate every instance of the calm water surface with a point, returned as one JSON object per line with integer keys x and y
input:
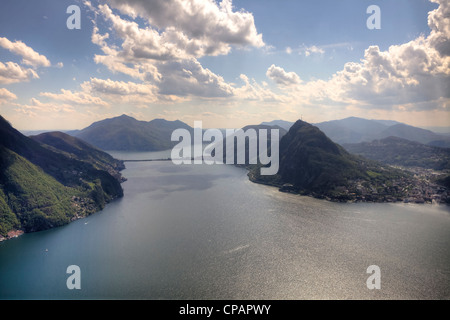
{"x": 206, "y": 232}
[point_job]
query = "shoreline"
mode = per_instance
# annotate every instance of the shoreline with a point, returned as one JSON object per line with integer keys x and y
{"x": 288, "y": 188}
{"x": 16, "y": 232}
{"x": 75, "y": 201}
{"x": 285, "y": 188}
{"x": 11, "y": 235}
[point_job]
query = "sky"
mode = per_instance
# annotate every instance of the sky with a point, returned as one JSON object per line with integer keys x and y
{"x": 225, "y": 63}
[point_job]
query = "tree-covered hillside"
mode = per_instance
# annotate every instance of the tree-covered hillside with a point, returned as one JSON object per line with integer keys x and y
{"x": 42, "y": 186}
{"x": 310, "y": 163}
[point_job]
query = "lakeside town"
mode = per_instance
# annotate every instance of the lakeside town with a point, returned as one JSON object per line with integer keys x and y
{"x": 420, "y": 188}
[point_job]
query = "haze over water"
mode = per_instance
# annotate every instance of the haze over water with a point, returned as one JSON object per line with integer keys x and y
{"x": 207, "y": 232}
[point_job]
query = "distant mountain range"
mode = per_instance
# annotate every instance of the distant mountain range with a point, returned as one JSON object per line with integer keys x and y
{"x": 401, "y": 152}
{"x": 355, "y": 130}
{"x": 51, "y": 180}
{"x": 125, "y": 133}
{"x": 440, "y": 130}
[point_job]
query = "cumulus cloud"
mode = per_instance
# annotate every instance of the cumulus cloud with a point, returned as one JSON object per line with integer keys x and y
{"x": 80, "y": 98}
{"x": 29, "y": 56}
{"x": 312, "y": 49}
{"x": 137, "y": 94}
{"x": 280, "y": 76}
{"x": 37, "y": 108}
{"x": 116, "y": 87}
{"x": 410, "y": 76}
{"x": 439, "y": 23}
{"x": 49, "y": 107}
{"x": 216, "y": 25}
{"x": 252, "y": 91}
{"x": 121, "y": 91}
{"x": 164, "y": 53}
{"x": 190, "y": 30}
{"x": 6, "y": 96}
{"x": 11, "y": 72}
{"x": 188, "y": 77}
{"x": 412, "y": 72}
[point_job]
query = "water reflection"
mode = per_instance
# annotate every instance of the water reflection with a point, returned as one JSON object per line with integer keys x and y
{"x": 207, "y": 232}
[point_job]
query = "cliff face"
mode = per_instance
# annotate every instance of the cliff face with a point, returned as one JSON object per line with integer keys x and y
{"x": 42, "y": 186}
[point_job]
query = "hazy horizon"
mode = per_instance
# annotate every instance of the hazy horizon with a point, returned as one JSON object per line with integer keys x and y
{"x": 431, "y": 128}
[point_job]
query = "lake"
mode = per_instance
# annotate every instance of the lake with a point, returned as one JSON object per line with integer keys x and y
{"x": 207, "y": 232}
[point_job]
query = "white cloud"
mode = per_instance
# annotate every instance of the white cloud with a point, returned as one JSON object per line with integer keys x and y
{"x": 116, "y": 87}
{"x": 216, "y": 25}
{"x": 11, "y": 72}
{"x": 282, "y": 77}
{"x": 439, "y": 23}
{"x": 80, "y": 98}
{"x": 164, "y": 55}
{"x": 37, "y": 108}
{"x": 49, "y": 107}
{"x": 136, "y": 94}
{"x": 252, "y": 91}
{"x": 410, "y": 76}
{"x": 6, "y": 96}
{"x": 188, "y": 77}
{"x": 165, "y": 52}
{"x": 410, "y": 73}
{"x": 195, "y": 29}
{"x": 312, "y": 49}
{"x": 29, "y": 56}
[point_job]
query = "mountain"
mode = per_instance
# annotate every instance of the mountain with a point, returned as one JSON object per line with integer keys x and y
{"x": 43, "y": 187}
{"x": 402, "y": 152}
{"x": 32, "y": 132}
{"x": 286, "y": 125}
{"x": 311, "y": 163}
{"x": 387, "y": 122}
{"x": 244, "y": 144}
{"x": 281, "y": 133}
{"x": 78, "y": 149}
{"x": 258, "y": 127}
{"x": 439, "y": 130}
{"x": 355, "y": 130}
{"x": 351, "y": 130}
{"x": 69, "y": 132}
{"x": 125, "y": 133}
{"x": 415, "y": 134}
{"x": 30, "y": 200}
